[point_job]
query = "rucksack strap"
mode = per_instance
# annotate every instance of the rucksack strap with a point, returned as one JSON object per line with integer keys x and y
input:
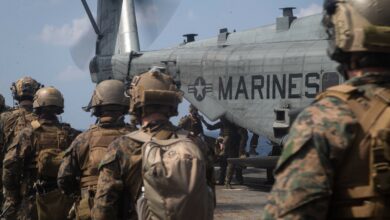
{"x": 350, "y": 94}
{"x": 140, "y": 136}
{"x": 375, "y": 122}
{"x": 160, "y": 138}
{"x": 35, "y": 124}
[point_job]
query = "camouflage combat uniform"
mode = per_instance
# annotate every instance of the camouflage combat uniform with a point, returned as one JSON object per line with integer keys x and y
{"x": 311, "y": 168}
{"x": 15, "y": 120}
{"x": 11, "y": 123}
{"x": 120, "y": 178}
{"x": 231, "y": 141}
{"x": 192, "y": 123}
{"x": 20, "y": 166}
{"x": 243, "y": 140}
{"x": 79, "y": 173}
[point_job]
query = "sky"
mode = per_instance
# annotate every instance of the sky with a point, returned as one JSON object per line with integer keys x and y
{"x": 36, "y": 37}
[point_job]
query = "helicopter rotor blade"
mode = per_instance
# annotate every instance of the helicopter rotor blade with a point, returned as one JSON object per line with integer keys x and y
{"x": 84, "y": 49}
{"x": 153, "y": 16}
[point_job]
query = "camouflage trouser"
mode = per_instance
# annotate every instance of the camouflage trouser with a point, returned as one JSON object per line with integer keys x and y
{"x": 27, "y": 209}
{"x": 232, "y": 151}
{"x": 222, "y": 170}
{"x": 230, "y": 171}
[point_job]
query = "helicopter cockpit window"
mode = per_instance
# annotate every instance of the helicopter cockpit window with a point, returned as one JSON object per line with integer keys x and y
{"x": 329, "y": 80}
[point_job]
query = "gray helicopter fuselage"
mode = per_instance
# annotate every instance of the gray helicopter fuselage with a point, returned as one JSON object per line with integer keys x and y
{"x": 255, "y": 78}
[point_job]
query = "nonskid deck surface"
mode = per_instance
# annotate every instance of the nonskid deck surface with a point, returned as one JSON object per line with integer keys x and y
{"x": 243, "y": 202}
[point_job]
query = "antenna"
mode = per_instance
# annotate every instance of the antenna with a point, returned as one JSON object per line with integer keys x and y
{"x": 91, "y": 18}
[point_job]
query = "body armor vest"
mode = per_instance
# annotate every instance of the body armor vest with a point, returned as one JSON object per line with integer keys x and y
{"x": 362, "y": 182}
{"x": 49, "y": 138}
{"x": 16, "y": 121}
{"x": 99, "y": 140}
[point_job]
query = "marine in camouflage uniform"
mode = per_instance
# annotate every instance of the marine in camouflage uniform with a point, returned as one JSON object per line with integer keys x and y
{"x": 4, "y": 112}
{"x": 253, "y": 144}
{"x": 26, "y": 183}
{"x": 120, "y": 178}
{"x": 335, "y": 163}
{"x": 231, "y": 142}
{"x": 79, "y": 173}
{"x": 192, "y": 122}
{"x": 3, "y": 106}
{"x": 12, "y": 121}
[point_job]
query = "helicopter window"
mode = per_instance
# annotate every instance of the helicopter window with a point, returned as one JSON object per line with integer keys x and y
{"x": 329, "y": 80}
{"x": 280, "y": 115}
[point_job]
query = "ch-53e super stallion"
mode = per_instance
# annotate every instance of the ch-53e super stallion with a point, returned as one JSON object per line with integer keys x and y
{"x": 255, "y": 78}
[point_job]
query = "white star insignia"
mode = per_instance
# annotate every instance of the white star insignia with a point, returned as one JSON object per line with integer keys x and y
{"x": 199, "y": 89}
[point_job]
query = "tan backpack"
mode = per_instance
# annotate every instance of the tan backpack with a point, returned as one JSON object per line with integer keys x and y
{"x": 51, "y": 143}
{"x": 174, "y": 179}
{"x": 370, "y": 153}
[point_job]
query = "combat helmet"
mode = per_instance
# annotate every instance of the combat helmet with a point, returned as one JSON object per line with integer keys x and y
{"x": 360, "y": 28}
{"x": 154, "y": 91}
{"x": 49, "y": 98}
{"x": 25, "y": 88}
{"x": 109, "y": 94}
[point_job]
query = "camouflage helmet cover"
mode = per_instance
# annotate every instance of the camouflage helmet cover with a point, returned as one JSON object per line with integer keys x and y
{"x": 48, "y": 96}
{"x": 357, "y": 26}
{"x": 109, "y": 92}
{"x": 154, "y": 88}
{"x": 25, "y": 87}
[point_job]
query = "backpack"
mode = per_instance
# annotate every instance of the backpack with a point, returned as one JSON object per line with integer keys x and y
{"x": 97, "y": 147}
{"x": 373, "y": 140}
{"x": 51, "y": 143}
{"x": 174, "y": 179}
{"x": 14, "y": 122}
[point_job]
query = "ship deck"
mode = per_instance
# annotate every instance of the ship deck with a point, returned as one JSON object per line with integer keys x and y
{"x": 243, "y": 202}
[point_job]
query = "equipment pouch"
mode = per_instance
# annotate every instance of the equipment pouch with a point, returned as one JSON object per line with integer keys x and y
{"x": 83, "y": 211}
{"x": 49, "y": 161}
{"x": 53, "y": 205}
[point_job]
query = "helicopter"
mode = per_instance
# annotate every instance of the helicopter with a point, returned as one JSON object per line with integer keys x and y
{"x": 258, "y": 79}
